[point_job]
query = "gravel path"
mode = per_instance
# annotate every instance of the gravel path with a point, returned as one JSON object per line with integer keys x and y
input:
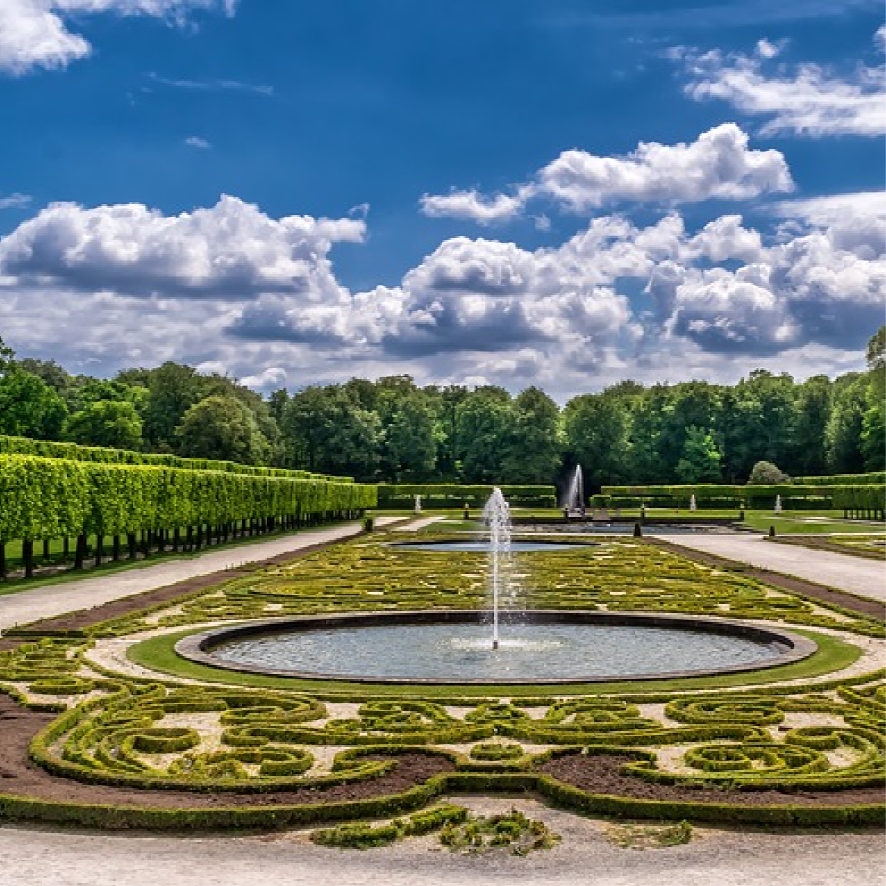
{"x": 585, "y": 857}
{"x": 867, "y": 578}
{"x": 54, "y": 599}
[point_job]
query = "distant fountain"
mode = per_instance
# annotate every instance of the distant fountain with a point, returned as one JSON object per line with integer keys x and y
{"x": 497, "y": 516}
{"x": 418, "y": 504}
{"x": 692, "y": 504}
{"x": 575, "y": 494}
{"x": 777, "y": 504}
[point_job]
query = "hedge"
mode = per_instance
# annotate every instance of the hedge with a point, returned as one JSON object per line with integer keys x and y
{"x": 10, "y": 445}
{"x": 454, "y": 495}
{"x": 844, "y": 479}
{"x": 55, "y": 498}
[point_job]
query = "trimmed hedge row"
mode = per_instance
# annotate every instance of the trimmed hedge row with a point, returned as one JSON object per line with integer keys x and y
{"x": 858, "y": 496}
{"x": 844, "y": 479}
{"x": 10, "y": 445}
{"x": 56, "y": 498}
{"x": 720, "y": 495}
{"x": 560, "y": 794}
{"x": 453, "y": 495}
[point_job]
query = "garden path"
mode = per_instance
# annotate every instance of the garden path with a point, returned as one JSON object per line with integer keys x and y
{"x": 54, "y": 599}
{"x": 586, "y": 857}
{"x": 865, "y": 578}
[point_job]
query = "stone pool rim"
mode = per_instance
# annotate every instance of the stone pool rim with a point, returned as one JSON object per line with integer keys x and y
{"x": 198, "y": 647}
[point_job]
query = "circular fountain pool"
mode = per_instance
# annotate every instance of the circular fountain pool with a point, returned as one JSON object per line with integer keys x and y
{"x": 456, "y": 647}
{"x": 484, "y": 546}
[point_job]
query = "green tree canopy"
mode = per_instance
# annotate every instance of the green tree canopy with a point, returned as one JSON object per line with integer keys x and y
{"x": 221, "y": 427}
{"x": 29, "y": 407}
{"x": 700, "y": 460}
{"x": 113, "y": 423}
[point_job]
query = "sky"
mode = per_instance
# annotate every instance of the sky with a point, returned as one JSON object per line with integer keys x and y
{"x": 559, "y": 193}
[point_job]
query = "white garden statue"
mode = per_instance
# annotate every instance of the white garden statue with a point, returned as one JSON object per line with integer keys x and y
{"x": 418, "y": 504}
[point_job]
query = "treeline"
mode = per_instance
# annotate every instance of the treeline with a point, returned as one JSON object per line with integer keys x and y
{"x": 392, "y": 430}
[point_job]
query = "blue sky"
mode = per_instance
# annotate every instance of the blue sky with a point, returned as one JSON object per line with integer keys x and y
{"x": 515, "y": 192}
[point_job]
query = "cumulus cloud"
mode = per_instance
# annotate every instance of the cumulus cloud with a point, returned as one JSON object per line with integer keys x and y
{"x": 834, "y": 207}
{"x": 473, "y": 206}
{"x": 194, "y": 141}
{"x": 719, "y": 164}
{"x": 806, "y": 99}
{"x": 230, "y": 287}
{"x": 231, "y": 250}
{"x": 34, "y": 33}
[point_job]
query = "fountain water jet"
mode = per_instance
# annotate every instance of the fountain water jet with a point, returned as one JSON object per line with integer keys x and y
{"x": 497, "y": 516}
{"x": 575, "y": 494}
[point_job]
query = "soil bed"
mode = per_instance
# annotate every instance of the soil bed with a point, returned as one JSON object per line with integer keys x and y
{"x": 600, "y": 775}
{"x": 19, "y": 777}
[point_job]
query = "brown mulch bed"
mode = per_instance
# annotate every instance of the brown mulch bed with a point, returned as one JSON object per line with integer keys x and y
{"x": 19, "y": 777}
{"x": 788, "y": 583}
{"x": 600, "y": 775}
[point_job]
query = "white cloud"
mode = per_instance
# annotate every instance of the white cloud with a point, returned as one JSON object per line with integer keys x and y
{"x": 231, "y": 250}
{"x": 211, "y": 85}
{"x": 472, "y": 205}
{"x": 717, "y": 165}
{"x": 228, "y": 287}
{"x": 270, "y": 378}
{"x": 833, "y": 207}
{"x": 767, "y": 49}
{"x": 15, "y": 201}
{"x": 34, "y": 33}
{"x": 194, "y": 141}
{"x": 805, "y": 99}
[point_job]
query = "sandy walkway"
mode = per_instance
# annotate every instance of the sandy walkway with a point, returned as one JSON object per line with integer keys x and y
{"x": 867, "y": 578}
{"x": 54, "y": 599}
{"x": 49, "y": 857}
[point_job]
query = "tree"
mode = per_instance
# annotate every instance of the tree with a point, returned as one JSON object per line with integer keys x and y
{"x": 759, "y": 419}
{"x": 596, "y": 430}
{"x": 114, "y": 423}
{"x": 700, "y": 462}
{"x": 7, "y": 356}
{"x": 535, "y": 450}
{"x": 873, "y": 437}
{"x": 843, "y": 434}
{"x": 221, "y": 427}
{"x": 764, "y": 473}
{"x": 329, "y": 433}
{"x": 813, "y": 410}
{"x": 484, "y": 428}
{"x": 409, "y": 449}
{"x": 172, "y": 390}
{"x": 29, "y": 407}
{"x": 56, "y": 376}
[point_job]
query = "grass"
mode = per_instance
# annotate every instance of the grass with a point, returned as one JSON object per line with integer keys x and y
{"x": 158, "y": 654}
{"x": 795, "y": 524}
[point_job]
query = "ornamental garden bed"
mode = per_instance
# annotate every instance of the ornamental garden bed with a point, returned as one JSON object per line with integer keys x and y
{"x": 94, "y": 745}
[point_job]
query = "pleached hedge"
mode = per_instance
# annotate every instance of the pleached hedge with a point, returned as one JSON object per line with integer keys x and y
{"x": 454, "y": 495}
{"x": 10, "y": 445}
{"x": 711, "y": 495}
{"x": 52, "y": 498}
